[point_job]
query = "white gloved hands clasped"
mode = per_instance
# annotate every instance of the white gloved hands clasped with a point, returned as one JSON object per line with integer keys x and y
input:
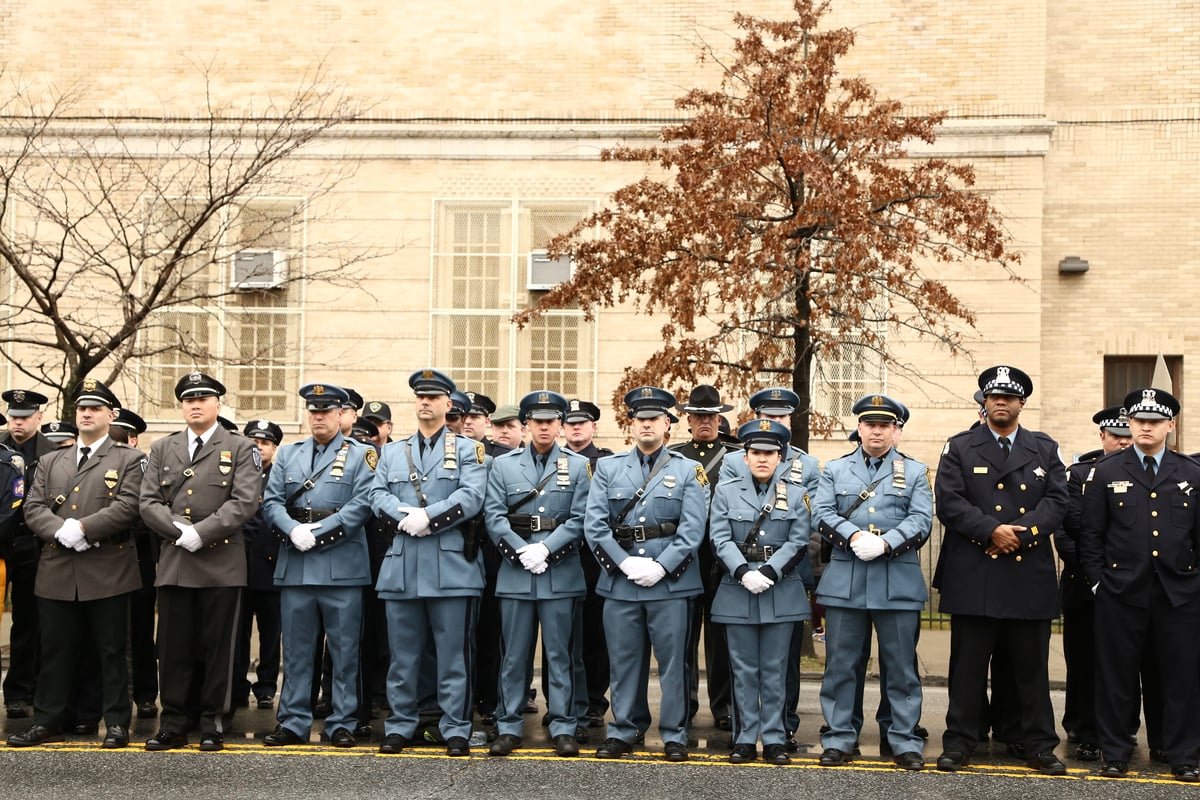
{"x": 70, "y": 534}
{"x": 188, "y": 538}
{"x": 868, "y": 546}
{"x": 415, "y": 522}
{"x": 302, "y": 536}
{"x": 756, "y": 583}
{"x": 534, "y": 557}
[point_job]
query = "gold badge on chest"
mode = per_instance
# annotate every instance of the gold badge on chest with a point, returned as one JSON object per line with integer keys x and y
{"x": 110, "y": 478}
{"x": 225, "y": 463}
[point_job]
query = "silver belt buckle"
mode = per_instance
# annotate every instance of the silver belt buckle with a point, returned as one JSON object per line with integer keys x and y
{"x": 535, "y": 524}
{"x": 767, "y": 551}
{"x": 639, "y": 533}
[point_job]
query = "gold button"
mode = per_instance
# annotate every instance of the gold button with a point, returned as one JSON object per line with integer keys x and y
{"x": 1018, "y": 558}
{"x": 1153, "y": 495}
{"x": 189, "y": 491}
{"x": 999, "y": 485}
{"x": 187, "y": 511}
{"x": 998, "y": 508}
{"x": 1156, "y": 533}
{"x": 1022, "y": 487}
{"x": 76, "y": 489}
{"x": 1114, "y": 565}
{"x": 224, "y": 483}
{"x": 1120, "y": 504}
{"x": 74, "y": 507}
{"x": 1154, "y": 553}
{"x": 995, "y": 556}
{"x": 1021, "y": 510}
{"x": 1154, "y": 513}
{"x": 871, "y": 510}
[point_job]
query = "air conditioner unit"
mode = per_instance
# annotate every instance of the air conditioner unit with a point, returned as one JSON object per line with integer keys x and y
{"x": 545, "y": 273}
{"x": 258, "y": 269}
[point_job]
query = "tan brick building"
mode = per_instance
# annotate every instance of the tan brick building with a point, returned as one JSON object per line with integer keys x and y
{"x": 1080, "y": 118}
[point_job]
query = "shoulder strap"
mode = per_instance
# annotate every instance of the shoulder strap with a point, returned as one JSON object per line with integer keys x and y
{"x": 862, "y": 496}
{"x": 412, "y": 473}
{"x": 307, "y": 485}
{"x": 533, "y": 492}
{"x": 640, "y": 493}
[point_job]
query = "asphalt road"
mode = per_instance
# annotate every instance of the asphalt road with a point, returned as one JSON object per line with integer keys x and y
{"x": 249, "y": 770}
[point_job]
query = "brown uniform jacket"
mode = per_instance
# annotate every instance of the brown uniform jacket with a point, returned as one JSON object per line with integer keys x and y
{"x": 217, "y": 493}
{"x": 103, "y": 496}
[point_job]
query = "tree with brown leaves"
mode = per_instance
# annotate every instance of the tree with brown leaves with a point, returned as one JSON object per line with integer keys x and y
{"x": 789, "y": 229}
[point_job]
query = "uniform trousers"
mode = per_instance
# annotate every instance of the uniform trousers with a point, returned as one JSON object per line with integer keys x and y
{"x": 197, "y": 627}
{"x": 846, "y": 630}
{"x": 757, "y": 655}
{"x": 451, "y": 623}
{"x": 716, "y": 648}
{"x": 632, "y": 628}
{"x": 973, "y": 640}
{"x": 305, "y": 610}
{"x": 21, "y": 560}
{"x": 519, "y": 620}
{"x": 1079, "y": 652}
{"x": 69, "y": 629}
{"x": 264, "y": 606}
{"x": 1170, "y": 631}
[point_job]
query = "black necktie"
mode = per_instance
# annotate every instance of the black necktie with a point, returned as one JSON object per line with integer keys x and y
{"x": 196, "y": 448}
{"x": 873, "y": 466}
{"x": 1005, "y": 445}
{"x": 1149, "y": 462}
{"x": 646, "y": 461}
{"x": 83, "y": 456}
{"x": 317, "y": 451}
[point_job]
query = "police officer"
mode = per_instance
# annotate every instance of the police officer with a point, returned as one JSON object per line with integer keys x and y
{"x": 1139, "y": 544}
{"x": 459, "y": 405}
{"x": 425, "y": 488}
{"x": 316, "y": 496}
{"x": 20, "y": 549}
{"x": 1001, "y": 493}
{"x": 261, "y": 601}
{"x": 779, "y": 404}
{"x": 703, "y": 409}
{"x": 534, "y": 508}
{"x": 201, "y": 486}
{"x": 1078, "y": 606}
{"x": 875, "y": 508}
{"x": 380, "y": 413}
{"x": 760, "y": 529}
{"x": 83, "y": 501}
{"x": 579, "y": 430}
{"x": 646, "y": 515}
{"x": 60, "y": 432}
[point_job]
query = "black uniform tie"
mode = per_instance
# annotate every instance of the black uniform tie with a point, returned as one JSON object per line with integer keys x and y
{"x": 196, "y": 448}
{"x": 1005, "y": 445}
{"x": 1149, "y": 462}
{"x": 83, "y": 456}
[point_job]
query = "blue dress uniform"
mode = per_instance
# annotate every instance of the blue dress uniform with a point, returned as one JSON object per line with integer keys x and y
{"x": 888, "y": 496}
{"x": 321, "y": 586}
{"x": 999, "y": 600}
{"x": 1140, "y": 550}
{"x": 530, "y": 503}
{"x": 664, "y": 525}
{"x": 427, "y": 580}
{"x": 759, "y": 626}
{"x": 804, "y": 471}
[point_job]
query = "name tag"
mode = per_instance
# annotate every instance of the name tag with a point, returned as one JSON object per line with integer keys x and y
{"x": 1120, "y": 487}
{"x": 981, "y": 470}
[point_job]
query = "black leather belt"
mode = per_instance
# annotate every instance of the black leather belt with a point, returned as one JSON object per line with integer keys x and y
{"x": 309, "y": 515}
{"x": 628, "y": 535}
{"x": 754, "y": 552}
{"x": 529, "y": 523}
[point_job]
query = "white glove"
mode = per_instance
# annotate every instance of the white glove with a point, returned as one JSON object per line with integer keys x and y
{"x": 415, "y": 522}
{"x": 534, "y": 554}
{"x": 81, "y": 545}
{"x": 188, "y": 538}
{"x": 635, "y": 567}
{"x": 654, "y": 573}
{"x": 302, "y": 536}
{"x": 868, "y": 546}
{"x": 1094, "y": 588}
{"x": 540, "y": 568}
{"x": 69, "y": 533}
{"x": 756, "y": 583}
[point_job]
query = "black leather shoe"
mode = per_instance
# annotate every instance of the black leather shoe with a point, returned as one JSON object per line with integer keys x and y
{"x": 675, "y": 751}
{"x": 791, "y": 745}
{"x": 1047, "y": 763}
{"x": 565, "y": 745}
{"x": 1087, "y": 752}
{"x": 322, "y": 709}
{"x": 922, "y": 731}
{"x": 393, "y": 743}
{"x": 910, "y": 761}
{"x": 613, "y": 748}
{"x": 832, "y": 757}
{"x": 342, "y": 738}
{"x": 725, "y": 723}
{"x": 34, "y": 736}
{"x": 147, "y": 710}
{"x": 85, "y": 728}
{"x": 116, "y": 736}
{"x": 363, "y": 730}
{"x": 211, "y": 742}
{"x": 743, "y": 754}
{"x": 776, "y": 754}
{"x": 952, "y": 761}
{"x": 17, "y": 710}
{"x": 282, "y": 737}
{"x": 1188, "y": 773}
{"x": 458, "y": 746}
{"x": 583, "y": 734}
{"x": 504, "y": 745}
{"x": 595, "y": 719}
{"x": 166, "y": 740}
{"x": 1115, "y": 769}
{"x": 264, "y": 703}
{"x": 1016, "y": 751}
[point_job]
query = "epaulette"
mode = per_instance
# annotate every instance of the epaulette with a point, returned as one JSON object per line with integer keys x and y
{"x": 847, "y": 455}
{"x": 1107, "y": 456}
{"x": 960, "y": 434}
{"x": 1090, "y": 456}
